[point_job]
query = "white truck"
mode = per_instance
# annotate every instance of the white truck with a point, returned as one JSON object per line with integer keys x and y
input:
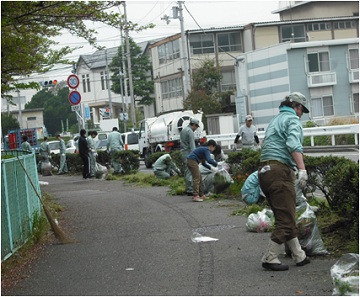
{"x": 162, "y": 133}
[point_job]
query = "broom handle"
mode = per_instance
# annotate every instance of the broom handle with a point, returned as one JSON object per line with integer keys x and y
{"x": 27, "y": 174}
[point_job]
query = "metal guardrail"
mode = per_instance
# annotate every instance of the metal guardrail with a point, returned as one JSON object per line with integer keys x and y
{"x": 227, "y": 140}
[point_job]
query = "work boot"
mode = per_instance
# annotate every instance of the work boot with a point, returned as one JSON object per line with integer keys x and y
{"x": 270, "y": 259}
{"x": 297, "y": 253}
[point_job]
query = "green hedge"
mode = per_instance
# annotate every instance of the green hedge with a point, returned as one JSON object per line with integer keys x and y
{"x": 336, "y": 177}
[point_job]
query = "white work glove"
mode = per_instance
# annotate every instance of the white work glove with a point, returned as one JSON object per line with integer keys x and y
{"x": 221, "y": 163}
{"x": 214, "y": 169}
{"x": 302, "y": 177}
{"x": 95, "y": 155}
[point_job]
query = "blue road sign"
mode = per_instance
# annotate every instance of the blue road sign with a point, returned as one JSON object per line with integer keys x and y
{"x": 74, "y": 98}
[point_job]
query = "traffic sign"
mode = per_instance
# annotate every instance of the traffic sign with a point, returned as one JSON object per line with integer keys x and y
{"x": 74, "y": 98}
{"x": 75, "y": 107}
{"x": 73, "y": 81}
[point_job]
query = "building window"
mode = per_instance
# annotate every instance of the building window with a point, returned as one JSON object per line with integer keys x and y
{"x": 171, "y": 88}
{"x": 169, "y": 51}
{"x": 86, "y": 83}
{"x": 356, "y": 102}
{"x": 318, "y": 62}
{"x": 229, "y": 42}
{"x": 354, "y": 58}
{"x": 31, "y": 118}
{"x": 293, "y": 33}
{"x": 202, "y": 44}
{"x": 228, "y": 82}
{"x": 322, "y": 106}
{"x": 344, "y": 25}
{"x": 319, "y": 26}
{"x": 103, "y": 79}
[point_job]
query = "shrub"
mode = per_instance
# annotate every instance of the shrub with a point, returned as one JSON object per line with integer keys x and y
{"x": 129, "y": 160}
{"x": 243, "y": 162}
{"x": 343, "y": 183}
{"x": 338, "y": 179}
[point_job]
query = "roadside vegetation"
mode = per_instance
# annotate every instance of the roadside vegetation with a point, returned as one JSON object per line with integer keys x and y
{"x": 335, "y": 180}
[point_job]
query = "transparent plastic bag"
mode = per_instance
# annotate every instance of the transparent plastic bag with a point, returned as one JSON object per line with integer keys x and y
{"x": 262, "y": 221}
{"x": 222, "y": 179}
{"x": 345, "y": 275}
{"x": 308, "y": 231}
{"x": 100, "y": 171}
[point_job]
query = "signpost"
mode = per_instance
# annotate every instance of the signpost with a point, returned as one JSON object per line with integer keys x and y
{"x": 74, "y": 98}
{"x": 73, "y": 81}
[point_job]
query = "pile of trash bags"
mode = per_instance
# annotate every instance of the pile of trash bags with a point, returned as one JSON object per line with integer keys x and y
{"x": 345, "y": 275}
{"x": 309, "y": 234}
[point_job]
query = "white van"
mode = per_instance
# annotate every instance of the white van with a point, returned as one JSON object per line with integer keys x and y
{"x": 131, "y": 140}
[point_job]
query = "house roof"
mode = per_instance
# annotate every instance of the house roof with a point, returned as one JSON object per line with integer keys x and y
{"x": 97, "y": 59}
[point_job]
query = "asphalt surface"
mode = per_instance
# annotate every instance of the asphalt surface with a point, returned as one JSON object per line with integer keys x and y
{"x": 132, "y": 240}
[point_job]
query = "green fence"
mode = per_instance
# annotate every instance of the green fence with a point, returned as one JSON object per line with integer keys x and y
{"x": 19, "y": 202}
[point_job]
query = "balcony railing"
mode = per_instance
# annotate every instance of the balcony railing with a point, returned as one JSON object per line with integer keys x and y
{"x": 321, "y": 79}
{"x": 354, "y": 76}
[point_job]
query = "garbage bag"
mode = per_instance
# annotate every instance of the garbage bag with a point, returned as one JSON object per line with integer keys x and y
{"x": 345, "y": 275}
{"x": 100, "y": 171}
{"x": 46, "y": 168}
{"x": 207, "y": 176}
{"x": 262, "y": 221}
{"x": 222, "y": 179}
{"x": 308, "y": 231}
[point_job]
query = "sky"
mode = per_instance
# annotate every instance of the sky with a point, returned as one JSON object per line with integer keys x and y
{"x": 197, "y": 15}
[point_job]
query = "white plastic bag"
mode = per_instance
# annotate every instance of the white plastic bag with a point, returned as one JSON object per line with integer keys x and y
{"x": 262, "y": 221}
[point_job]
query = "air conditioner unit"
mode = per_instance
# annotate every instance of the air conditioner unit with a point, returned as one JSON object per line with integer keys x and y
{"x": 232, "y": 99}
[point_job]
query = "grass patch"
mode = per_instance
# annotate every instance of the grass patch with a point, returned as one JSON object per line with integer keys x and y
{"x": 175, "y": 183}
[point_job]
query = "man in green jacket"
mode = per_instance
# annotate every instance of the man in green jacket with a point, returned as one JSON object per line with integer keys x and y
{"x": 187, "y": 145}
{"x": 114, "y": 145}
{"x": 163, "y": 167}
{"x": 282, "y": 157}
{"x": 63, "y": 166}
{"x": 25, "y": 146}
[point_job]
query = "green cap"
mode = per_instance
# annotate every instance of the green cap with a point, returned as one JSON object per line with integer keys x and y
{"x": 299, "y": 98}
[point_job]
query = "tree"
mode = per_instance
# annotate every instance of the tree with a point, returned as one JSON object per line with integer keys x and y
{"x": 203, "y": 95}
{"x": 56, "y": 108}
{"x": 8, "y": 122}
{"x": 140, "y": 67}
{"x": 27, "y": 29}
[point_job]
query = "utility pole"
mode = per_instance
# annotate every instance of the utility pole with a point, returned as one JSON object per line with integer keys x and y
{"x": 184, "y": 51}
{"x": 108, "y": 85}
{"x": 133, "y": 117}
{"x": 122, "y": 98}
{"x": 178, "y": 14}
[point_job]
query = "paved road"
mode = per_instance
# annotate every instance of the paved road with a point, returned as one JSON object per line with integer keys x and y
{"x": 137, "y": 241}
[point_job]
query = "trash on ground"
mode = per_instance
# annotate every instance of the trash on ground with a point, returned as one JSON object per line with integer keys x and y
{"x": 197, "y": 237}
